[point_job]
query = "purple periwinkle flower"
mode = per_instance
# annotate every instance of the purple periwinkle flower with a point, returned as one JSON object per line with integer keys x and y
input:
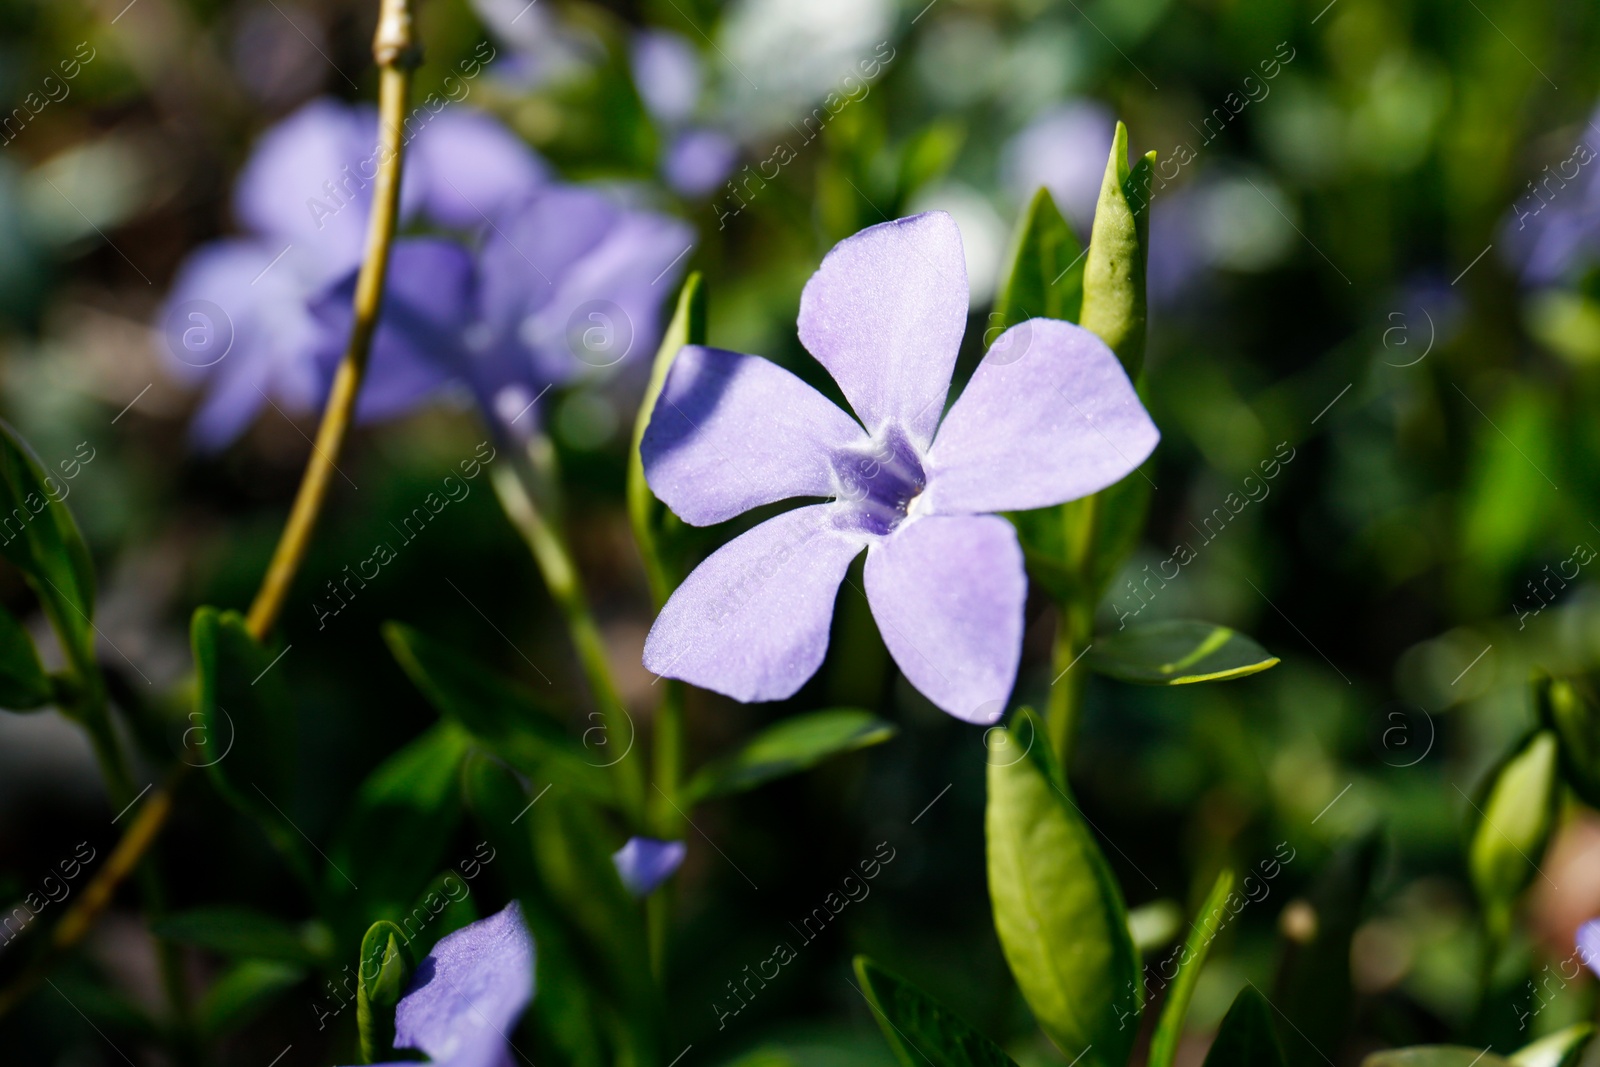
{"x": 1589, "y": 945}
{"x": 1049, "y": 416}
{"x": 1064, "y": 149}
{"x": 464, "y": 1001}
{"x": 644, "y": 863}
{"x": 668, "y": 76}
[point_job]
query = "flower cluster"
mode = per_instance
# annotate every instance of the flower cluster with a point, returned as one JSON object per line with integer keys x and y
{"x": 507, "y": 280}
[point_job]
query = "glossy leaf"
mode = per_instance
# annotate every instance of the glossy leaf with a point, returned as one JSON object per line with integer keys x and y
{"x": 1512, "y": 822}
{"x": 503, "y": 714}
{"x": 386, "y": 966}
{"x": 1435, "y": 1056}
{"x": 1246, "y": 1037}
{"x": 23, "y": 683}
{"x": 39, "y": 536}
{"x": 1045, "y": 276}
{"x": 1564, "y": 1048}
{"x": 246, "y": 727}
{"x": 789, "y": 747}
{"x": 1114, "y": 274}
{"x": 688, "y": 327}
{"x": 402, "y": 817}
{"x": 1177, "y": 652}
{"x": 1169, "y": 1029}
{"x": 921, "y": 1031}
{"x": 1569, "y": 708}
{"x": 244, "y": 933}
{"x": 1059, "y": 914}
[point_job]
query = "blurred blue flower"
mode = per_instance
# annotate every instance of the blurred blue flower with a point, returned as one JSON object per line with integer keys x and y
{"x": 468, "y": 993}
{"x": 526, "y": 284}
{"x": 1553, "y": 227}
{"x": 644, "y": 863}
{"x": 668, "y": 76}
{"x": 1064, "y": 149}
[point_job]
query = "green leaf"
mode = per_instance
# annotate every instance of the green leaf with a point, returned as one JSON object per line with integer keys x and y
{"x": 247, "y": 727}
{"x": 442, "y": 907}
{"x": 503, "y": 714}
{"x": 1513, "y": 821}
{"x": 921, "y": 1031}
{"x": 1435, "y": 1056}
{"x": 1057, "y": 909}
{"x": 1246, "y": 1037}
{"x": 245, "y": 933}
{"x": 385, "y": 967}
{"x": 1177, "y": 652}
{"x": 688, "y": 327}
{"x": 789, "y": 747}
{"x": 23, "y": 683}
{"x": 1114, "y": 276}
{"x": 929, "y": 154}
{"x": 243, "y": 992}
{"x": 38, "y": 535}
{"x": 1564, "y": 1048}
{"x": 1569, "y": 708}
{"x": 1169, "y": 1029}
{"x": 401, "y": 820}
{"x": 1045, "y": 276}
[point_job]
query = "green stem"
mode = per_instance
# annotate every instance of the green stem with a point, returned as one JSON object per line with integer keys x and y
{"x": 1080, "y": 521}
{"x": 396, "y": 53}
{"x": 566, "y": 588}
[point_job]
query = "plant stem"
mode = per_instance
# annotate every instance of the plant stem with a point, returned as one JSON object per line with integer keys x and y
{"x": 1075, "y": 626}
{"x": 561, "y": 577}
{"x": 396, "y": 53}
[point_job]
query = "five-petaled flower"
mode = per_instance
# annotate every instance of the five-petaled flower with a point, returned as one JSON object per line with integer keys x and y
{"x": 1049, "y": 416}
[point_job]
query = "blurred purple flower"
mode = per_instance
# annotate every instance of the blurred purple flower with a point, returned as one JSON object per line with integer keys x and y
{"x": 1553, "y": 227}
{"x": 667, "y": 74}
{"x": 468, "y": 994}
{"x": 1064, "y": 149}
{"x": 644, "y": 863}
{"x": 1589, "y": 944}
{"x": 1049, "y": 416}
{"x": 536, "y": 282}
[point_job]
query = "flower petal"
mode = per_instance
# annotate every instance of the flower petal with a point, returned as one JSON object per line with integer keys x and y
{"x": 1589, "y": 944}
{"x": 1049, "y": 416}
{"x": 471, "y": 168}
{"x": 947, "y": 592}
{"x": 644, "y": 863}
{"x": 468, "y": 993}
{"x": 732, "y": 431}
{"x": 885, "y": 313}
{"x": 427, "y": 306}
{"x": 752, "y": 621}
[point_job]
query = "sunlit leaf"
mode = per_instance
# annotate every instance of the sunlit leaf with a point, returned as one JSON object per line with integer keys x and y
{"x": 1044, "y": 278}
{"x": 1512, "y": 821}
{"x": 1564, "y": 1048}
{"x": 787, "y": 748}
{"x": 1169, "y": 1029}
{"x": 1177, "y": 652}
{"x": 1114, "y": 275}
{"x": 1057, "y": 909}
{"x": 1435, "y": 1056}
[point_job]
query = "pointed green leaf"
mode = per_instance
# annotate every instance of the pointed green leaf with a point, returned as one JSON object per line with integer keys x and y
{"x": 386, "y": 965}
{"x": 246, "y": 735}
{"x": 38, "y": 535}
{"x": 1564, "y": 1048}
{"x": 921, "y": 1031}
{"x": 503, "y": 714}
{"x": 1169, "y": 1030}
{"x": 1114, "y": 275}
{"x": 789, "y": 747}
{"x": 1435, "y": 1056}
{"x": 1044, "y": 278}
{"x": 1057, "y": 909}
{"x": 1569, "y": 708}
{"x": 1177, "y": 652}
{"x": 403, "y": 816}
{"x": 688, "y": 327}
{"x": 1512, "y": 822}
{"x": 245, "y": 933}
{"x": 23, "y": 683}
{"x": 1246, "y": 1037}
